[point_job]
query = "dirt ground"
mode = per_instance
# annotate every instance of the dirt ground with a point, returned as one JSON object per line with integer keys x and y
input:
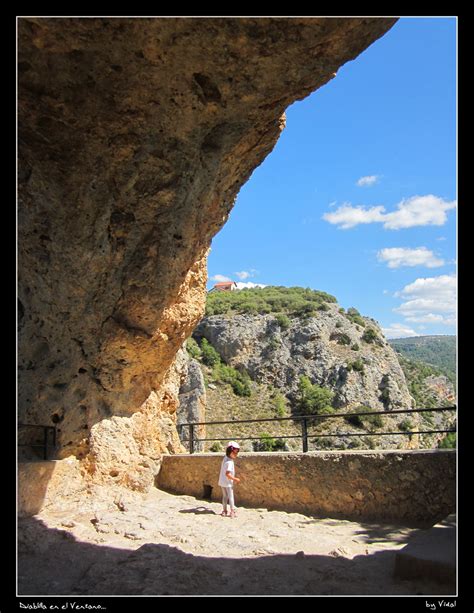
{"x": 162, "y": 544}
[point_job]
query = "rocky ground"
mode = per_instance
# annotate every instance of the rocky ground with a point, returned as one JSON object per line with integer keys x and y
{"x": 161, "y": 544}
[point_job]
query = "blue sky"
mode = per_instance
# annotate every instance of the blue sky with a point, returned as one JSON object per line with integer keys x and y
{"x": 358, "y": 197}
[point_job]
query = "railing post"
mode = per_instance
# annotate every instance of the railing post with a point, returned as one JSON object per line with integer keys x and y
{"x": 304, "y": 434}
{"x": 191, "y": 438}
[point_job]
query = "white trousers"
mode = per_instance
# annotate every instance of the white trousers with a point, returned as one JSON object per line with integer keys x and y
{"x": 228, "y": 497}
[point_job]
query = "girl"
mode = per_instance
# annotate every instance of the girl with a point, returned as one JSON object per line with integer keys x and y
{"x": 227, "y": 478}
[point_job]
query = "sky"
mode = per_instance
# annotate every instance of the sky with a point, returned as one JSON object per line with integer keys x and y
{"x": 358, "y": 196}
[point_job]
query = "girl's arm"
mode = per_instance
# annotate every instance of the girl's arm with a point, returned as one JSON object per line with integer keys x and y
{"x": 228, "y": 474}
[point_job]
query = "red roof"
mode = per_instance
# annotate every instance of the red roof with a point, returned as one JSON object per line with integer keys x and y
{"x": 224, "y": 284}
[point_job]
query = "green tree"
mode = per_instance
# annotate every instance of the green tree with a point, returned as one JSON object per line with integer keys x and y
{"x": 210, "y": 357}
{"x": 313, "y": 398}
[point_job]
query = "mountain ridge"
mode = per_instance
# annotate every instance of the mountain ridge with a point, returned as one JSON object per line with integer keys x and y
{"x": 438, "y": 351}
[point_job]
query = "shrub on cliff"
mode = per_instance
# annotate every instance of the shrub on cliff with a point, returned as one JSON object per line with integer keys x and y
{"x": 368, "y": 422}
{"x": 370, "y": 336}
{"x": 341, "y": 338}
{"x": 193, "y": 348}
{"x": 209, "y": 355}
{"x": 357, "y": 365}
{"x": 279, "y": 403}
{"x": 448, "y": 442}
{"x": 283, "y": 321}
{"x": 268, "y": 443}
{"x": 239, "y": 381}
{"x": 355, "y": 317}
{"x": 313, "y": 398}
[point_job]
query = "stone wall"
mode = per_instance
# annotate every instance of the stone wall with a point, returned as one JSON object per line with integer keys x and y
{"x": 413, "y": 488}
{"x": 42, "y": 484}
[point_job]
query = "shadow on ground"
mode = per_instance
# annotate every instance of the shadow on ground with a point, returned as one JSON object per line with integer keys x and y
{"x": 53, "y": 562}
{"x": 199, "y": 511}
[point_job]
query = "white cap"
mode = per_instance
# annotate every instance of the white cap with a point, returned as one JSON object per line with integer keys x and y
{"x": 233, "y": 444}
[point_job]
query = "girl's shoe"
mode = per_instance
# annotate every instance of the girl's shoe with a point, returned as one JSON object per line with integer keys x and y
{"x": 232, "y": 514}
{"x": 224, "y": 514}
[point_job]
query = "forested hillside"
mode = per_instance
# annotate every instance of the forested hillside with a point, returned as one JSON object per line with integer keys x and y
{"x": 296, "y": 301}
{"x": 437, "y": 351}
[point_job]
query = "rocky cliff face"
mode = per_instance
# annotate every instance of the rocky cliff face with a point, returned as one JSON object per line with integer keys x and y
{"x": 192, "y": 400}
{"x": 442, "y": 389}
{"x": 328, "y": 348}
{"x": 135, "y": 135}
{"x": 341, "y": 352}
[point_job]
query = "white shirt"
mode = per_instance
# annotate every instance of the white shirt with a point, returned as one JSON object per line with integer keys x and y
{"x": 226, "y": 466}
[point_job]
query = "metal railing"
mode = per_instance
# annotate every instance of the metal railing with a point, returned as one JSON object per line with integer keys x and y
{"x": 305, "y": 421}
{"x": 44, "y": 444}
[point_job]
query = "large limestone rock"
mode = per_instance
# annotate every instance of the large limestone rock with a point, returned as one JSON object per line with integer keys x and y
{"x": 329, "y": 349}
{"x": 192, "y": 403}
{"x": 135, "y": 135}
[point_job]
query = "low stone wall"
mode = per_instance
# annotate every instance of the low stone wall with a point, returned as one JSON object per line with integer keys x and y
{"x": 41, "y": 483}
{"x": 412, "y": 488}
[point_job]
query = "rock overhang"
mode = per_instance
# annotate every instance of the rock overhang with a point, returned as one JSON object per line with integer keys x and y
{"x": 135, "y": 136}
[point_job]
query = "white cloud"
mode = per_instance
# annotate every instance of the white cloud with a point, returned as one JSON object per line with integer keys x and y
{"x": 412, "y": 308}
{"x": 347, "y": 216}
{"x": 243, "y": 274}
{"x": 419, "y": 211}
{"x": 402, "y": 256}
{"x": 248, "y": 285}
{"x": 429, "y": 300}
{"x": 220, "y": 278}
{"x": 440, "y": 287}
{"x": 398, "y": 331}
{"x": 429, "y": 318}
{"x": 416, "y": 211}
{"x": 246, "y": 274}
{"x": 367, "y": 181}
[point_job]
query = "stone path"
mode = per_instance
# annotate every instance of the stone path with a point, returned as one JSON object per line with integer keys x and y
{"x": 161, "y": 544}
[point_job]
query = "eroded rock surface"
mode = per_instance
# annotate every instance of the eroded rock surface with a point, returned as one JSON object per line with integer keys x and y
{"x": 324, "y": 348}
{"x": 135, "y": 135}
{"x": 193, "y": 401}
